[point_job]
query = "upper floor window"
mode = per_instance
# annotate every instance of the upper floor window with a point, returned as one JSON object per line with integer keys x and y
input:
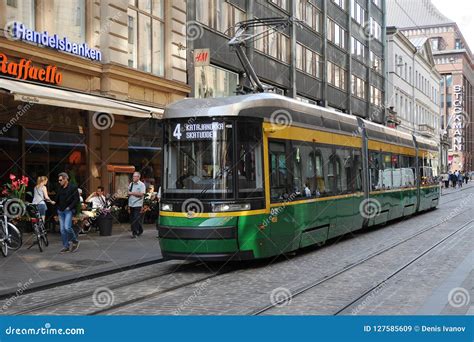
{"x": 280, "y": 3}
{"x": 275, "y": 44}
{"x": 376, "y": 96}
{"x": 146, "y": 36}
{"x": 340, "y": 3}
{"x": 336, "y": 34}
{"x": 357, "y": 87}
{"x": 375, "y": 29}
{"x": 357, "y": 48}
{"x": 22, "y": 11}
{"x": 357, "y": 12}
{"x": 308, "y": 13}
{"x": 377, "y": 3}
{"x": 307, "y": 60}
{"x": 218, "y": 14}
{"x": 336, "y": 75}
{"x": 375, "y": 62}
{"x": 458, "y": 44}
{"x": 70, "y": 19}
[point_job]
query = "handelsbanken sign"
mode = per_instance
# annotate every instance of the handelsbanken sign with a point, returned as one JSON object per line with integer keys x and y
{"x": 19, "y": 31}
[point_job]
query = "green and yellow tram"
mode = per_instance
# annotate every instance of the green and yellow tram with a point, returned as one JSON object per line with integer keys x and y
{"x": 254, "y": 176}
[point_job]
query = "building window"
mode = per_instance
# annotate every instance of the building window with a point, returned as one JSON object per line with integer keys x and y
{"x": 336, "y": 34}
{"x": 377, "y": 3}
{"x": 218, "y": 15}
{"x": 308, "y": 13}
{"x": 458, "y": 44}
{"x": 336, "y": 76}
{"x": 212, "y": 81}
{"x": 357, "y": 87}
{"x": 280, "y": 3}
{"x": 306, "y": 100}
{"x": 22, "y": 11}
{"x": 340, "y": 3}
{"x": 375, "y": 62}
{"x": 357, "y": 49}
{"x": 357, "y": 12}
{"x": 146, "y": 46}
{"x": 70, "y": 19}
{"x": 307, "y": 61}
{"x": 375, "y": 30}
{"x": 275, "y": 44}
{"x": 376, "y": 96}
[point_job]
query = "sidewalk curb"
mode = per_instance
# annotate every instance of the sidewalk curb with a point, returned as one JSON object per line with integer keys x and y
{"x": 69, "y": 279}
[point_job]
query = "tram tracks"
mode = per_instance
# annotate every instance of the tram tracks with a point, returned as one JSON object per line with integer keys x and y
{"x": 120, "y": 285}
{"x": 299, "y": 291}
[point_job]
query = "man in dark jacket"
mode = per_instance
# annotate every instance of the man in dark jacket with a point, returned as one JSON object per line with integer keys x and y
{"x": 67, "y": 200}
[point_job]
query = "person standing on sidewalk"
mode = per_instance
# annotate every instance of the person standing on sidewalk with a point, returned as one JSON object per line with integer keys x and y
{"x": 445, "y": 180}
{"x": 67, "y": 200}
{"x": 136, "y": 192}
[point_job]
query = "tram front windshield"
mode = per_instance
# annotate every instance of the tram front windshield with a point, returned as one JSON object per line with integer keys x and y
{"x": 198, "y": 160}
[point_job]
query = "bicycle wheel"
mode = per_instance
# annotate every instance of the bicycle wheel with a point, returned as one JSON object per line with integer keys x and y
{"x": 39, "y": 237}
{"x": 15, "y": 239}
{"x": 3, "y": 242}
{"x": 44, "y": 234}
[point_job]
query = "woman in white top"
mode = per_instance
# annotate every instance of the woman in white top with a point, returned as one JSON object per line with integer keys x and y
{"x": 40, "y": 196}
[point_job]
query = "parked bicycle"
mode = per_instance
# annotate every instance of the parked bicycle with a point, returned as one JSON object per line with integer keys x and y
{"x": 10, "y": 236}
{"x": 39, "y": 228}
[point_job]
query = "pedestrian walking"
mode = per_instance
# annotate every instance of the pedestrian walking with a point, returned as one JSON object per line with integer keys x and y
{"x": 466, "y": 177}
{"x": 445, "y": 180}
{"x": 460, "y": 179}
{"x": 40, "y": 196}
{"x": 67, "y": 199}
{"x": 136, "y": 193}
{"x": 454, "y": 179}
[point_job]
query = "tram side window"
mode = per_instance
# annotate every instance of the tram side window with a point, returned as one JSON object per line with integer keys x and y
{"x": 278, "y": 171}
{"x": 356, "y": 176}
{"x": 249, "y": 160}
{"x": 343, "y": 159}
{"x": 375, "y": 168}
{"x": 320, "y": 180}
{"x": 412, "y": 165}
{"x": 324, "y": 172}
{"x": 304, "y": 173}
{"x": 385, "y": 179}
{"x": 397, "y": 173}
{"x": 407, "y": 172}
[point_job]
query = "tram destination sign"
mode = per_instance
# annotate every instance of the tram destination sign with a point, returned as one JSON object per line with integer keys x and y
{"x": 197, "y": 131}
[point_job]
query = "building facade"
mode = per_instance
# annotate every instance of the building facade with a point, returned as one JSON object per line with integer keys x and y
{"x": 454, "y": 61}
{"x": 334, "y": 57}
{"x": 413, "y": 85}
{"x": 83, "y": 86}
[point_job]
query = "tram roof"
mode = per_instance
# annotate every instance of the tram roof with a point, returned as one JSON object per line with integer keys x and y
{"x": 302, "y": 114}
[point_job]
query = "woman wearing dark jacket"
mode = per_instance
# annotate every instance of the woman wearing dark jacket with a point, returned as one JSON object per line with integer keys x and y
{"x": 67, "y": 199}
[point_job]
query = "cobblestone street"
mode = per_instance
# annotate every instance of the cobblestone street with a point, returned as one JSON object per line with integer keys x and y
{"x": 362, "y": 273}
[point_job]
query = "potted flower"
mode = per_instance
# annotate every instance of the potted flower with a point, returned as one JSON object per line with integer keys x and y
{"x": 16, "y": 192}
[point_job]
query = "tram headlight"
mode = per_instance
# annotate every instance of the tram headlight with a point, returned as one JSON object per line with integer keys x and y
{"x": 166, "y": 207}
{"x": 230, "y": 207}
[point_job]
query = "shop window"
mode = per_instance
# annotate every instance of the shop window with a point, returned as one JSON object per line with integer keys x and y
{"x": 22, "y": 11}
{"x": 49, "y": 153}
{"x": 10, "y": 160}
{"x": 144, "y": 149}
{"x": 70, "y": 19}
{"x": 278, "y": 171}
{"x": 211, "y": 81}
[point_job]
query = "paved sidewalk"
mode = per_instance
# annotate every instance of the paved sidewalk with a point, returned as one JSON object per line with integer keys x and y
{"x": 450, "y": 190}
{"x": 28, "y": 268}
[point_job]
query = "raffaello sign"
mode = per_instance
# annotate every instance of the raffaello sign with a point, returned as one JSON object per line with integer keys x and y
{"x": 24, "y": 70}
